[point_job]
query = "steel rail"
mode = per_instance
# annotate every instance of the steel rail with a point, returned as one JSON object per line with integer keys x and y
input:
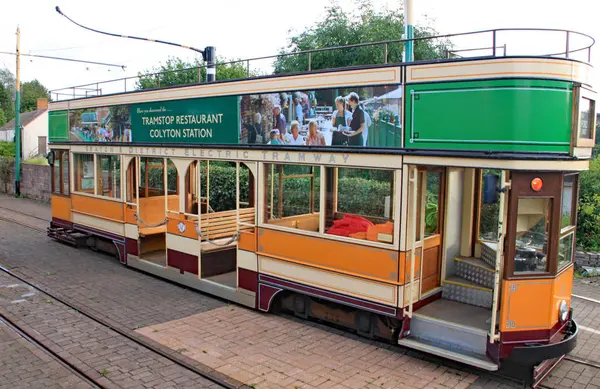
{"x": 55, "y": 356}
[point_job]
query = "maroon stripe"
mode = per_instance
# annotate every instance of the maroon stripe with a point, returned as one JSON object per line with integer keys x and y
{"x": 512, "y": 339}
{"x": 266, "y": 293}
{"x": 131, "y": 246}
{"x": 62, "y": 223}
{"x": 182, "y": 261}
{"x": 339, "y": 298}
{"x": 248, "y": 279}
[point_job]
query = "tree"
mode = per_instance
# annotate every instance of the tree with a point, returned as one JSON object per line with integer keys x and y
{"x": 339, "y": 28}
{"x": 179, "y": 72}
{"x": 2, "y": 118}
{"x": 6, "y": 104}
{"x": 30, "y": 92}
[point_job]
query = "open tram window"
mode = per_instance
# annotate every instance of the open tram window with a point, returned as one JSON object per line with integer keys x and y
{"x": 130, "y": 195}
{"x": 433, "y": 201}
{"x": 586, "y": 119}
{"x": 84, "y": 173}
{"x": 152, "y": 177}
{"x": 531, "y": 240}
{"x": 292, "y": 196}
{"x": 109, "y": 176}
{"x": 489, "y": 204}
{"x": 359, "y": 204}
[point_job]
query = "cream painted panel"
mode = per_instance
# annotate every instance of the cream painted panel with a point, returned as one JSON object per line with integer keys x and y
{"x": 247, "y": 260}
{"x": 416, "y": 289}
{"x": 379, "y": 76}
{"x": 101, "y": 224}
{"x": 368, "y": 290}
{"x": 501, "y": 68}
{"x": 579, "y": 165}
{"x": 131, "y": 231}
{"x": 183, "y": 244}
{"x": 400, "y": 299}
{"x": 267, "y": 155}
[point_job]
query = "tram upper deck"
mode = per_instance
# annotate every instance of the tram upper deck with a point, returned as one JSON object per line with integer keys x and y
{"x": 539, "y": 106}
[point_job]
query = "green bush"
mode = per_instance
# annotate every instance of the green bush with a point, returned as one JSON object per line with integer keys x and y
{"x": 6, "y": 164}
{"x": 588, "y": 222}
{"x": 7, "y": 149}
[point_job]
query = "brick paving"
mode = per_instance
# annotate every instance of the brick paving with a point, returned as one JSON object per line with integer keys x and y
{"x": 23, "y": 365}
{"x": 104, "y": 355}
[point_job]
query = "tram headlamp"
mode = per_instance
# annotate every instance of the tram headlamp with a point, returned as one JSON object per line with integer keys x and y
{"x": 563, "y": 311}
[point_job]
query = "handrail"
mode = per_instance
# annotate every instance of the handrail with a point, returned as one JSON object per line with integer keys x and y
{"x": 494, "y": 32}
{"x": 499, "y": 257}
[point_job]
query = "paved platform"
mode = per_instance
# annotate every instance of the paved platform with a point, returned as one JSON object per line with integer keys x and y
{"x": 245, "y": 344}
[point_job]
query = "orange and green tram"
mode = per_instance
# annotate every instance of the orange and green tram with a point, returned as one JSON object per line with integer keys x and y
{"x": 432, "y": 204}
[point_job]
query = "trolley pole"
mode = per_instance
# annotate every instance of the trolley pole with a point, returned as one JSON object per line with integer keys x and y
{"x": 409, "y": 16}
{"x": 211, "y": 68}
{"x": 18, "y": 119}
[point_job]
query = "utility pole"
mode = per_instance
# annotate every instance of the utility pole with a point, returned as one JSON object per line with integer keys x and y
{"x": 18, "y": 118}
{"x": 409, "y": 16}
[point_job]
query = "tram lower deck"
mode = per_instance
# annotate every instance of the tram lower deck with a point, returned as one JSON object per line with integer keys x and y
{"x": 404, "y": 253}
{"x": 439, "y": 214}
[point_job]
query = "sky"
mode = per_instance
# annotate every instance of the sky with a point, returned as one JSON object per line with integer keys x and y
{"x": 244, "y": 29}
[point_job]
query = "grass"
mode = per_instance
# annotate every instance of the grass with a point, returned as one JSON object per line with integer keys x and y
{"x": 36, "y": 161}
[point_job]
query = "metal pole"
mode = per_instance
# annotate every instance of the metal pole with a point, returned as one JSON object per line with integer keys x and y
{"x": 408, "y": 31}
{"x": 494, "y": 43}
{"x": 309, "y": 61}
{"x": 567, "y": 48}
{"x": 248, "y": 68}
{"x": 385, "y": 53}
{"x": 18, "y": 119}
{"x": 211, "y": 69}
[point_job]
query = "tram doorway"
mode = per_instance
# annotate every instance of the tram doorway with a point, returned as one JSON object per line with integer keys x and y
{"x": 426, "y": 200}
{"x": 156, "y": 193}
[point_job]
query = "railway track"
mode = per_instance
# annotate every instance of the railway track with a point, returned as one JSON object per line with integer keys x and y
{"x": 61, "y": 361}
{"x": 592, "y": 364}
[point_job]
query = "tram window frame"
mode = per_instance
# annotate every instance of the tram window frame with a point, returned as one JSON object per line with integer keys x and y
{"x": 332, "y": 196}
{"x": 568, "y": 231}
{"x": 60, "y": 171}
{"x": 116, "y": 176}
{"x": 521, "y": 188}
{"x": 79, "y": 173}
{"x": 581, "y": 94}
{"x": 314, "y": 210}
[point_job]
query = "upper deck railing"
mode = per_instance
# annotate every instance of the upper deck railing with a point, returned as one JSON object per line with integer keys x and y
{"x": 475, "y": 44}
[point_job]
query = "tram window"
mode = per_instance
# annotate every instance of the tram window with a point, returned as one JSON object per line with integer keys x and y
{"x": 531, "y": 243}
{"x": 586, "y": 112}
{"x": 65, "y": 173}
{"x": 109, "y": 176}
{"x": 152, "y": 177}
{"x": 131, "y": 182}
{"x": 172, "y": 187}
{"x": 293, "y": 193}
{"x": 84, "y": 172}
{"x": 568, "y": 201}
{"x": 56, "y": 171}
{"x": 360, "y": 204}
{"x": 433, "y": 202}
{"x": 489, "y": 205}
{"x": 565, "y": 250}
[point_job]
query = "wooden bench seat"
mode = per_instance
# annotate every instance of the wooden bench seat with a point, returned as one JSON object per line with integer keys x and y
{"x": 221, "y": 226}
{"x": 146, "y": 231}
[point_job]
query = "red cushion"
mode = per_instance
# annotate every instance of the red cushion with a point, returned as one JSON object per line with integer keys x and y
{"x": 349, "y": 224}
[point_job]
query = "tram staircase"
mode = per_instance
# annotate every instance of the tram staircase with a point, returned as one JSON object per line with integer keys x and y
{"x": 457, "y": 325}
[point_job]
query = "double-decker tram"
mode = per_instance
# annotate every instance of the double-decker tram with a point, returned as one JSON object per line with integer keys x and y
{"x": 430, "y": 203}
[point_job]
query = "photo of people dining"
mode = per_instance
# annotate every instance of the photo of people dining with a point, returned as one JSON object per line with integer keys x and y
{"x": 343, "y": 117}
{"x": 103, "y": 124}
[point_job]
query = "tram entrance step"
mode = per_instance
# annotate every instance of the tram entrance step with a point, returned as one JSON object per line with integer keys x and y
{"x": 465, "y": 291}
{"x": 459, "y": 326}
{"x": 473, "y": 359}
{"x": 475, "y": 270}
